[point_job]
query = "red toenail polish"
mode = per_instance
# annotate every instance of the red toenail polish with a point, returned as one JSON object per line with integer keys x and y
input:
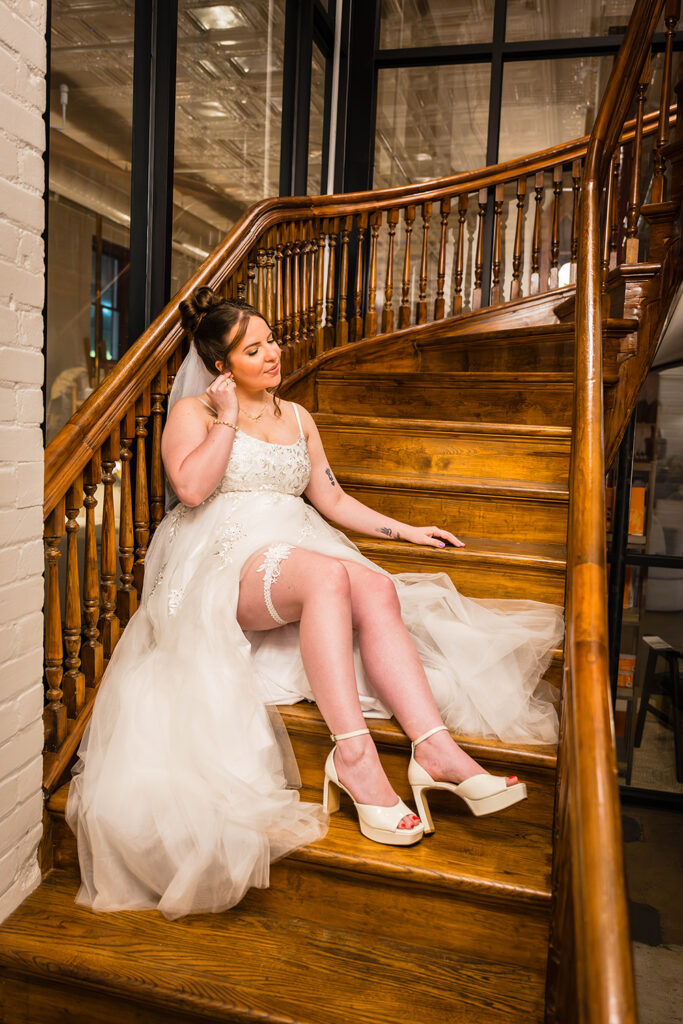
{"x": 512, "y": 778}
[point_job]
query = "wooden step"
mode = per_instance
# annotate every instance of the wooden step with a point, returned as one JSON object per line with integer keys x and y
{"x": 538, "y": 453}
{"x": 508, "y": 509}
{"x": 542, "y": 348}
{"x": 483, "y": 568}
{"x": 539, "y": 398}
{"x": 59, "y": 962}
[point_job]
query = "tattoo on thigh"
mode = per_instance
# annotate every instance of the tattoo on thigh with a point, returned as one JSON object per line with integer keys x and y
{"x": 329, "y": 474}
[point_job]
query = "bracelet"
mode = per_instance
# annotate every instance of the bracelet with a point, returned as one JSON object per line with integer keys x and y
{"x": 225, "y": 423}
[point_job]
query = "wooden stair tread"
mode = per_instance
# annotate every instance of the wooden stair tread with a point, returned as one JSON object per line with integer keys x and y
{"x": 250, "y": 966}
{"x": 469, "y": 377}
{"x": 400, "y": 424}
{"x": 443, "y": 482}
{"x": 479, "y": 548}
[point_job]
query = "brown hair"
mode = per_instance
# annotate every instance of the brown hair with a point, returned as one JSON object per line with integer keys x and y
{"x": 217, "y": 326}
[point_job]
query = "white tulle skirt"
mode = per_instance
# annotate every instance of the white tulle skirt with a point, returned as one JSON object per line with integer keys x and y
{"x": 180, "y": 799}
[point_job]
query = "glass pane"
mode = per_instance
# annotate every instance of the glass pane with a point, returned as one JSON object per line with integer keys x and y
{"x": 407, "y": 23}
{"x": 546, "y": 102}
{"x": 550, "y": 19}
{"x": 316, "y": 125}
{"x": 89, "y": 187}
{"x": 430, "y": 122}
{"x": 228, "y": 115}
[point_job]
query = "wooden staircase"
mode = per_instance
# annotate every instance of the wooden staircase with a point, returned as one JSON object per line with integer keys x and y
{"x": 494, "y": 422}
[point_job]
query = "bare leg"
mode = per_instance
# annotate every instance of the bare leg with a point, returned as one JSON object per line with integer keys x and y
{"x": 396, "y": 673}
{"x": 316, "y": 591}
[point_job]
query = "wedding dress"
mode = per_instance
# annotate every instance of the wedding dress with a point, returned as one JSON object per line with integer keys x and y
{"x": 180, "y": 799}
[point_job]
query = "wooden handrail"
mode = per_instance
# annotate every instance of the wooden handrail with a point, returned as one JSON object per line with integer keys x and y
{"x": 74, "y": 445}
{"x": 603, "y": 966}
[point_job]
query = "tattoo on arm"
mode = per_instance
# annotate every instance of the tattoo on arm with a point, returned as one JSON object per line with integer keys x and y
{"x": 385, "y": 530}
{"x": 329, "y": 474}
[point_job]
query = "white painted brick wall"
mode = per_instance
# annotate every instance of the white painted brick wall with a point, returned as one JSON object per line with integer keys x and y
{"x": 22, "y": 285}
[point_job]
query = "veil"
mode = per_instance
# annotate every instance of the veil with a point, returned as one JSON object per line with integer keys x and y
{"x": 192, "y": 378}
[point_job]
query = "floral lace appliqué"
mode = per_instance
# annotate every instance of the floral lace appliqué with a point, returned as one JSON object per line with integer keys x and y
{"x": 227, "y": 541}
{"x": 257, "y": 465}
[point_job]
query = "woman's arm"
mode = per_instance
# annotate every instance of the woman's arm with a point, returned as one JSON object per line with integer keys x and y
{"x": 195, "y": 450}
{"x": 328, "y": 497}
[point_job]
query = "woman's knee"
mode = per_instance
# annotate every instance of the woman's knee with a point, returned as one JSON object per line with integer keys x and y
{"x": 375, "y": 592}
{"x": 329, "y": 578}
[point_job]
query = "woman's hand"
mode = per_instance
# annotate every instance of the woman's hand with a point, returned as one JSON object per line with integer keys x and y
{"x": 432, "y": 536}
{"x": 223, "y": 397}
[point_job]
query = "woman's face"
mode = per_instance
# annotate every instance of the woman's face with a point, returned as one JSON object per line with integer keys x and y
{"x": 255, "y": 361}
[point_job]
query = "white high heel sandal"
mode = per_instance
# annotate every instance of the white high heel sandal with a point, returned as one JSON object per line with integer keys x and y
{"x": 483, "y": 794}
{"x": 377, "y": 823}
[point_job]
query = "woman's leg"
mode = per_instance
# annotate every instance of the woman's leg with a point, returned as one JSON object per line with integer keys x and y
{"x": 316, "y": 591}
{"x": 396, "y": 673}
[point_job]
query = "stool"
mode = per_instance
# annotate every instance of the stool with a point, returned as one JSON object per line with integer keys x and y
{"x": 670, "y": 685}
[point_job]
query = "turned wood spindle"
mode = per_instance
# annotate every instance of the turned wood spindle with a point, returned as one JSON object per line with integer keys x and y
{"x": 127, "y": 596}
{"x": 92, "y": 654}
{"x": 539, "y": 188}
{"x": 577, "y": 171}
{"x": 270, "y": 283}
{"x": 671, "y": 13}
{"x": 279, "y": 324}
{"x": 109, "y": 622}
{"x": 554, "y": 274}
{"x": 607, "y": 233}
{"x": 516, "y": 283}
{"x": 157, "y": 480}
{"x": 73, "y": 683}
{"x": 496, "y": 288}
{"x": 459, "y": 261}
{"x": 357, "y": 318}
{"x": 482, "y": 200}
{"x": 295, "y": 267}
{"x": 332, "y": 228}
{"x": 319, "y": 298}
{"x": 304, "y": 283}
{"x": 632, "y": 241}
{"x": 55, "y": 710}
{"x": 371, "y": 312}
{"x": 404, "y": 308}
{"x": 251, "y": 278}
{"x": 238, "y": 281}
{"x": 141, "y": 514}
{"x": 614, "y": 212}
{"x": 311, "y": 272}
{"x": 421, "y": 305}
{"x": 387, "y": 310}
{"x": 439, "y": 301}
{"x": 342, "y": 323}
{"x": 287, "y": 295}
{"x": 260, "y": 271}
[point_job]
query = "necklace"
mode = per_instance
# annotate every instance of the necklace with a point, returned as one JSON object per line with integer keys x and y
{"x": 249, "y": 416}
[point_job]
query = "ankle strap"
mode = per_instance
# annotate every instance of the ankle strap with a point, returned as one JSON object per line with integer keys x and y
{"x": 426, "y": 735}
{"x": 348, "y": 735}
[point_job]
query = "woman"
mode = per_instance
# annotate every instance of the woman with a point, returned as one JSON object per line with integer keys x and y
{"x": 180, "y": 799}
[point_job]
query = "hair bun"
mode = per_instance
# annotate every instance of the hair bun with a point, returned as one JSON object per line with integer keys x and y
{"x": 193, "y": 309}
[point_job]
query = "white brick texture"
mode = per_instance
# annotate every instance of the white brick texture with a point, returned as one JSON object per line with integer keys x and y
{"x": 22, "y": 287}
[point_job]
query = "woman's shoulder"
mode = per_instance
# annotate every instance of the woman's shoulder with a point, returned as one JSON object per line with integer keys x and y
{"x": 191, "y": 405}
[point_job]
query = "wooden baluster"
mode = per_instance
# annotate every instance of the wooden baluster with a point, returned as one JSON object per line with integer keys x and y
{"x": 371, "y": 312}
{"x": 142, "y": 411}
{"x": 357, "y": 320}
{"x": 553, "y": 277}
{"x": 172, "y": 367}
{"x": 73, "y": 684}
{"x": 157, "y": 488}
{"x": 239, "y": 278}
{"x": 251, "y": 278}
{"x": 55, "y": 712}
{"x": 109, "y": 625}
{"x": 342, "y": 332}
{"x": 304, "y": 251}
{"x": 279, "y": 327}
{"x": 496, "y": 290}
{"x": 576, "y": 194}
{"x": 440, "y": 302}
{"x": 388, "y": 311}
{"x": 127, "y": 597}
{"x": 535, "y": 283}
{"x": 516, "y": 284}
{"x": 404, "y": 308}
{"x": 421, "y": 305}
{"x": 463, "y": 203}
{"x": 671, "y": 11}
{"x": 260, "y": 271}
{"x": 319, "y": 298}
{"x": 288, "y": 337}
{"x": 92, "y": 654}
{"x": 614, "y": 212}
{"x": 332, "y": 228}
{"x": 632, "y": 242}
{"x": 269, "y": 310}
{"x": 482, "y": 200}
{"x": 295, "y": 265}
{"x": 308, "y": 286}
{"x": 607, "y": 229}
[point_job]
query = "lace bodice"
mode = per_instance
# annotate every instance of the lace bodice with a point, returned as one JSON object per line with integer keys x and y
{"x": 257, "y": 465}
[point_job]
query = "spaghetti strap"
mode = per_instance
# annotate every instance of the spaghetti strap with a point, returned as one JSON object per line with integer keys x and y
{"x": 298, "y": 420}
{"x": 209, "y": 407}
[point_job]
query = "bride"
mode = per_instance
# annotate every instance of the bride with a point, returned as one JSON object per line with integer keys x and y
{"x": 182, "y": 794}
